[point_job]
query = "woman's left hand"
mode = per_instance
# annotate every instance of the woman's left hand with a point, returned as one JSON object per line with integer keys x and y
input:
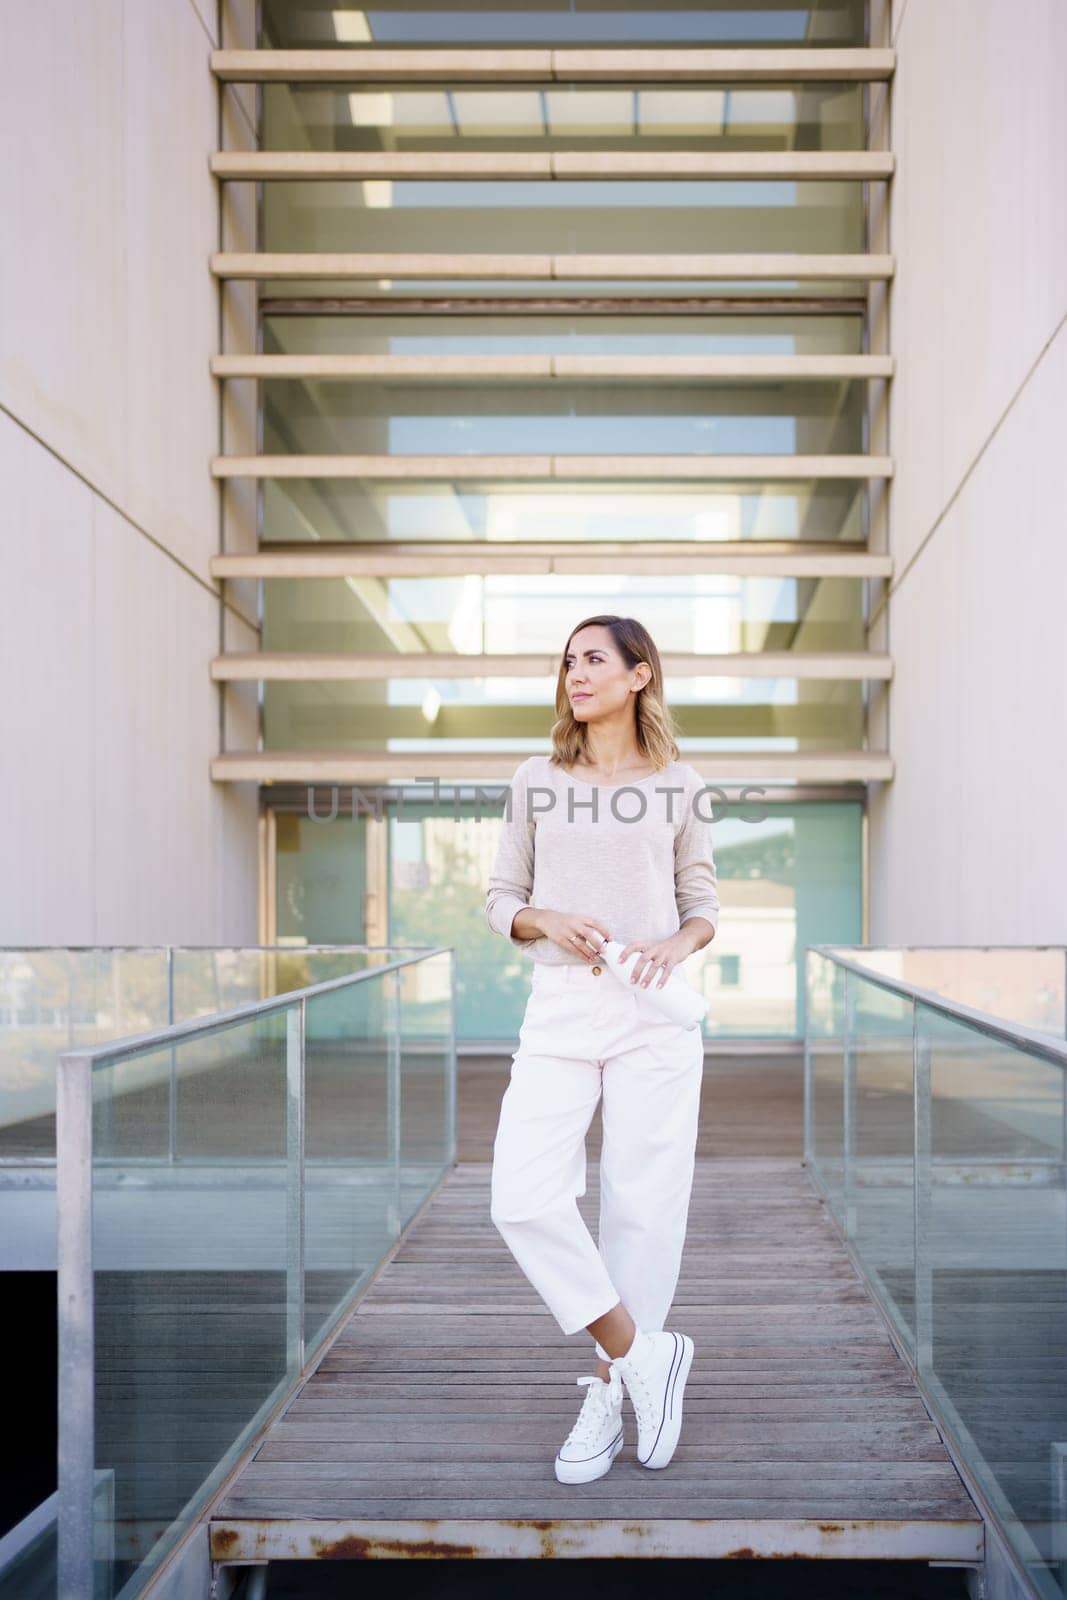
{"x": 659, "y": 956}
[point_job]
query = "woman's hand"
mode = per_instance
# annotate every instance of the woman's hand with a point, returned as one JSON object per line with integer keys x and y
{"x": 571, "y": 931}
{"x": 658, "y": 956}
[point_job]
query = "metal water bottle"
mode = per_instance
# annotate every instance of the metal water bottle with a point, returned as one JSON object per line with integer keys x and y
{"x": 678, "y": 1001}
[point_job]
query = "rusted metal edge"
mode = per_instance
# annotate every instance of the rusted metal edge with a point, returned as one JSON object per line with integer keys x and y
{"x": 362, "y": 1539}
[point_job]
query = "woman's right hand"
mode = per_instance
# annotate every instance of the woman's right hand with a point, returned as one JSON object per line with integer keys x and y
{"x": 571, "y": 931}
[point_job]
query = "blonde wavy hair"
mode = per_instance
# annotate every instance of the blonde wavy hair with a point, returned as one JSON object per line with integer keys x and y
{"x": 656, "y": 729}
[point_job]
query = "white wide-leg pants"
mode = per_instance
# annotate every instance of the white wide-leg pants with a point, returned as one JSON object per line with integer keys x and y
{"x": 585, "y": 1035}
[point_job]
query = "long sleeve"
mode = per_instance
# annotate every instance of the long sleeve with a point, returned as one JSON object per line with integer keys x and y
{"x": 695, "y": 879}
{"x": 511, "y": 880}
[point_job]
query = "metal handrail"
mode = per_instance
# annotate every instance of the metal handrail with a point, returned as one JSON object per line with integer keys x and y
{"x": 1045, "y": 1044}
{"x": 216, "y": 1021}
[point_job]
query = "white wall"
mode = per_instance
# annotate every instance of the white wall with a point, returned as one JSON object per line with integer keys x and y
{"x": 968, "y": 842}
{"x": 113, "y": 831}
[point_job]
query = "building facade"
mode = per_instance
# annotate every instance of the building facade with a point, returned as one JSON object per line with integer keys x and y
{"x": 348, "y": 358}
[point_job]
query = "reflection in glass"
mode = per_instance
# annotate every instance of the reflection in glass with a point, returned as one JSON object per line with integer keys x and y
{"x": 787, "y": 875}
{"x": 350, "y": 1207}
{"x": 298, "y": 511}
{"x": 613, "y": 419}
{"x": 883, "y": 1142}
{"x": 424, "y": 1016}
{"x": 321, "y": 23}
{"x": 563, "y": 116}
{"x": 821, "y": 715}
{"x": 53, "y": 1000}
{"x": 561, "y": 216}
{"x": 427, "y": 334}
{"x": 501, "y": 614}
{"x": 189, "y": 1269}
{"x": 997, "y": 1271}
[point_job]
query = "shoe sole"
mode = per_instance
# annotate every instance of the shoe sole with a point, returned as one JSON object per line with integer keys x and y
{"x": 589, "y": 1471}
{"x": 671, "y": 1423}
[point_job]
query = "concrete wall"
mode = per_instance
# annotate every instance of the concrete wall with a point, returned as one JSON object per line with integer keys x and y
{"x": 968, "y": 842}
{"x": 113, "y": 831}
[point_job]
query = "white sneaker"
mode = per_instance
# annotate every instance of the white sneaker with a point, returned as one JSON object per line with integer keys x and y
{"x": 654, "y": 1370}
{"x": 596, "y": 1438}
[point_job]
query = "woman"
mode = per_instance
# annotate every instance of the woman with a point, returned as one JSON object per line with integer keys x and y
{"x": 607, "y": 837}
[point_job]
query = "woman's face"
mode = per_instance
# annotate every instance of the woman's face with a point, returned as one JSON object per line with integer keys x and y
{"x": 598, "y": 682}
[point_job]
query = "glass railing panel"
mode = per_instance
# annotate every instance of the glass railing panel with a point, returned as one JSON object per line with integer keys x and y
{"x": 28, "y": 1552}
{"x": 825, "y": 1076}
{"x": 244, "y": 1182}
{"x": 189, "y": 1272}
{"x": 426, "y": 1045}
{"x": 64, "y": 999}
{"x": 1015, "y": 984}
{"x": 217, "y": 979}
{"x": 881, "y": 1167}
{"x": 351, "y": 1210}
{"x": 994, "y": 1277}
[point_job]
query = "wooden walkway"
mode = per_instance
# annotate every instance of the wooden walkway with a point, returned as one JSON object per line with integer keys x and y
{"x": 430, "y": 1425}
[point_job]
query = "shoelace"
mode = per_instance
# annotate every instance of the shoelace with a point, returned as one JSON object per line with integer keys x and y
{"x": 644, "y": 1403}
{"x": 599, "y": 1398}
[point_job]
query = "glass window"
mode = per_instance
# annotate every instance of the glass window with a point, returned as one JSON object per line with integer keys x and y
{"x": 321, "y": 23}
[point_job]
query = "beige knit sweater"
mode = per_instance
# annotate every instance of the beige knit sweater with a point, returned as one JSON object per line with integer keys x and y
{"x": 636, "y": 856}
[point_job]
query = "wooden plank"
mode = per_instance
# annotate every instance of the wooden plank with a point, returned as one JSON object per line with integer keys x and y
{"x": 353, "y": 1396}
{"x": 897, "y": 1438}
{"x": 374, "y": 1409}
{"x": 710, "y": 1475}
{"x": 338, "y": 65}
{"x": 790, "y": 1451}
{"x": 639, "y": 1502}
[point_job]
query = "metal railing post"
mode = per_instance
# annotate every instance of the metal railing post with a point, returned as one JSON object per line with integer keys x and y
{"x": 106, "y": 1078}
{"x": 450, "y": 1111}
{"x": 808, "y": 1103}
{"x": 295, "y": 1148}
{"x": 1063, "y": 1079}
{"x": 923, "y": 1197}
{"x": 74, "y": 1262}
{"x": 172, "y": 1102}
{"x": 848, "y": 1089}
{"x": 393, "y": 1104}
